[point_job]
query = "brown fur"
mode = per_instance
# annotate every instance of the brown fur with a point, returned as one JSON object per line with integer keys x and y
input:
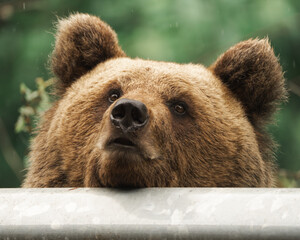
{"x": 82, "y": 41}
{"x": 219, "y": 142}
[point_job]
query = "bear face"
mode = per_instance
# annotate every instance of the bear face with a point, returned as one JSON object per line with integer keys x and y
{"x": 122, "y": 122}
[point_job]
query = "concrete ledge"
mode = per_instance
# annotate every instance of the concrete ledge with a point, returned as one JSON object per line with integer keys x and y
{"x": 153, "y": 213}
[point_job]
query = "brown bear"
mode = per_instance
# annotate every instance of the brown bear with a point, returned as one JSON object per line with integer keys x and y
{"x": 122, "y": 122}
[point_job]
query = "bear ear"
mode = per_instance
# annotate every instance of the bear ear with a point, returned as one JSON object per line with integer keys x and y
{"x": 82, "y": 41}
{"x": 252, "y": 72}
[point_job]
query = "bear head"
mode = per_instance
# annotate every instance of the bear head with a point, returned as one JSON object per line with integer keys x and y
{"x": 122, "y": 122}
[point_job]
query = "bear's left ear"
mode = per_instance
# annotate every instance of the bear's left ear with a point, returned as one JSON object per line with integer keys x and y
{"x": 82, "y": 41}
{"x": 252, "y": 72}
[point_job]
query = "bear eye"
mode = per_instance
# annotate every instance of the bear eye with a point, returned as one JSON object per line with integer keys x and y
{"x": 179, "y": 108}
{"x": 114, "y": 95}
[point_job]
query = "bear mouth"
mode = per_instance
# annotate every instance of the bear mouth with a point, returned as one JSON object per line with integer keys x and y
{"x": 123, "y": 142}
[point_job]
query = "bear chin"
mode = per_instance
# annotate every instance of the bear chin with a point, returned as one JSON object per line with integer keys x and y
{"x": 122, "y": 161}
{"x": 127, "y": 166}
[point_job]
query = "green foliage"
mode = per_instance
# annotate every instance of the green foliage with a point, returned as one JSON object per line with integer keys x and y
{"x": 35, "y": 102}
{"x": 289, "y": 179}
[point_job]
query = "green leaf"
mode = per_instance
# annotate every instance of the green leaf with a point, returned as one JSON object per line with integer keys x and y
{"x": 31, "y": 95}
{"x": 20, "y": 125}
{"x": 27, "y": 111}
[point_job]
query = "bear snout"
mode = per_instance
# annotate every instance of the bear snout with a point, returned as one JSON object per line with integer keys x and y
{"x": 129, "y": 115}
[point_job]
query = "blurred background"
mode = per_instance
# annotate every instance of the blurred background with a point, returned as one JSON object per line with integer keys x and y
{"x": 170, "y": 30}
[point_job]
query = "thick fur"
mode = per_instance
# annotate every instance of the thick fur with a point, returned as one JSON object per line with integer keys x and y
{"x": 219, "y": 142}
{"x": 82, "y": 41}
{"x": 252, "y": 72}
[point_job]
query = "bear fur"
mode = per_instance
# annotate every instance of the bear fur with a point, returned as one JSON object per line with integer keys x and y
{"x": 199, "y": 127}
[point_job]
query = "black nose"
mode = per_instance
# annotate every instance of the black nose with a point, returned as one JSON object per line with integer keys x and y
{"x": 129, "y": 115}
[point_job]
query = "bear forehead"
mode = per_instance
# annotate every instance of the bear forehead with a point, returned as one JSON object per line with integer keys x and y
{"x": 153, "y": 76}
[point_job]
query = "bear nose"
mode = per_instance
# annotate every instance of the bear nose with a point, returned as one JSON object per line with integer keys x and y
{"x": 129, "y": 115}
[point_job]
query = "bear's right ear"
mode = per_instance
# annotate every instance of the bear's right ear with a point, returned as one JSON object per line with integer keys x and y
{"x": 82, "y": 42}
